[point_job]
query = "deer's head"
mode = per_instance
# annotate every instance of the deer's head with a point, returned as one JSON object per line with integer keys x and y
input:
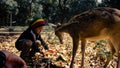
{"x": 58, "y": 32}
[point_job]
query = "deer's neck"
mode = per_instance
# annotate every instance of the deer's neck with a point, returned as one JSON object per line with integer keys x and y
{"x": 64, "y": 29}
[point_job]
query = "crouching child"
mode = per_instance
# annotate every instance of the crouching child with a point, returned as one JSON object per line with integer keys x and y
{"x": 27, "y": 43}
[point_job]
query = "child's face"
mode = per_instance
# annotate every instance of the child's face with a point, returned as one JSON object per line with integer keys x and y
{"x": 39, "y": 29}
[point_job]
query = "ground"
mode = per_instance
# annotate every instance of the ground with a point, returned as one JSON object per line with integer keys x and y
{"x": 95, "y": 53}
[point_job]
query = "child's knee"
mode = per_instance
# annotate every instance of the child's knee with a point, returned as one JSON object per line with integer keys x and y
{"x": 23, "y": 44}
{"x": 28, "y": 43}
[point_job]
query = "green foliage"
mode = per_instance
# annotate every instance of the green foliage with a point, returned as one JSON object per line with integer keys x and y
{"x": 65, "y": 9}
{"x": 110, "y": 3}
{"x": 53, "y": 11}
{"x": 81, "y": 6}
{"x": 7, "y": 7}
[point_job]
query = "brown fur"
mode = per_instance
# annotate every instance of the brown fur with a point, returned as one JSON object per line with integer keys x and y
{"x": 94, "y": 24}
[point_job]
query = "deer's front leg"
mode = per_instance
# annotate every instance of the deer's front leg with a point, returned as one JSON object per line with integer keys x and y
{"x": 83, "y": 42}
{"x": 75, "y": 47}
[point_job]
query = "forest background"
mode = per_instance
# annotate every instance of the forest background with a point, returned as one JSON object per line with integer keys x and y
{"x": 20, "y": 12}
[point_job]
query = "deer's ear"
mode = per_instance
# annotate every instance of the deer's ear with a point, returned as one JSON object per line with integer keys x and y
{"x": 53, "y": 25}
{"x": 59, "y": 24}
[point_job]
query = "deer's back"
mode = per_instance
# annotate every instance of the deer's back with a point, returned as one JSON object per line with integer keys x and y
{"x": 95, "y": 22}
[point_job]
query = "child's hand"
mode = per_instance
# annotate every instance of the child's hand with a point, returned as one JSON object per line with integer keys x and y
{"x": 38, "y": 43}
{"x": 45, "y": 46}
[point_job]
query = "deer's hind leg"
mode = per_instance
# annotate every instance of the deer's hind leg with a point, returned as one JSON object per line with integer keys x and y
{"x": 112, "y": 49}
{"x": 116, "y": 44}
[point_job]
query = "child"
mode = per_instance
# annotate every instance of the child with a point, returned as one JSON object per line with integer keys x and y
{"x": 28, "y": 42}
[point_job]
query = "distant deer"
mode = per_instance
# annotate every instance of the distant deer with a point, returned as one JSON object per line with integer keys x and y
{"x": 95, "y": 24}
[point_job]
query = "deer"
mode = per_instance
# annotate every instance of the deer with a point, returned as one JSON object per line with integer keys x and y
{"x": 94, "y": 24}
